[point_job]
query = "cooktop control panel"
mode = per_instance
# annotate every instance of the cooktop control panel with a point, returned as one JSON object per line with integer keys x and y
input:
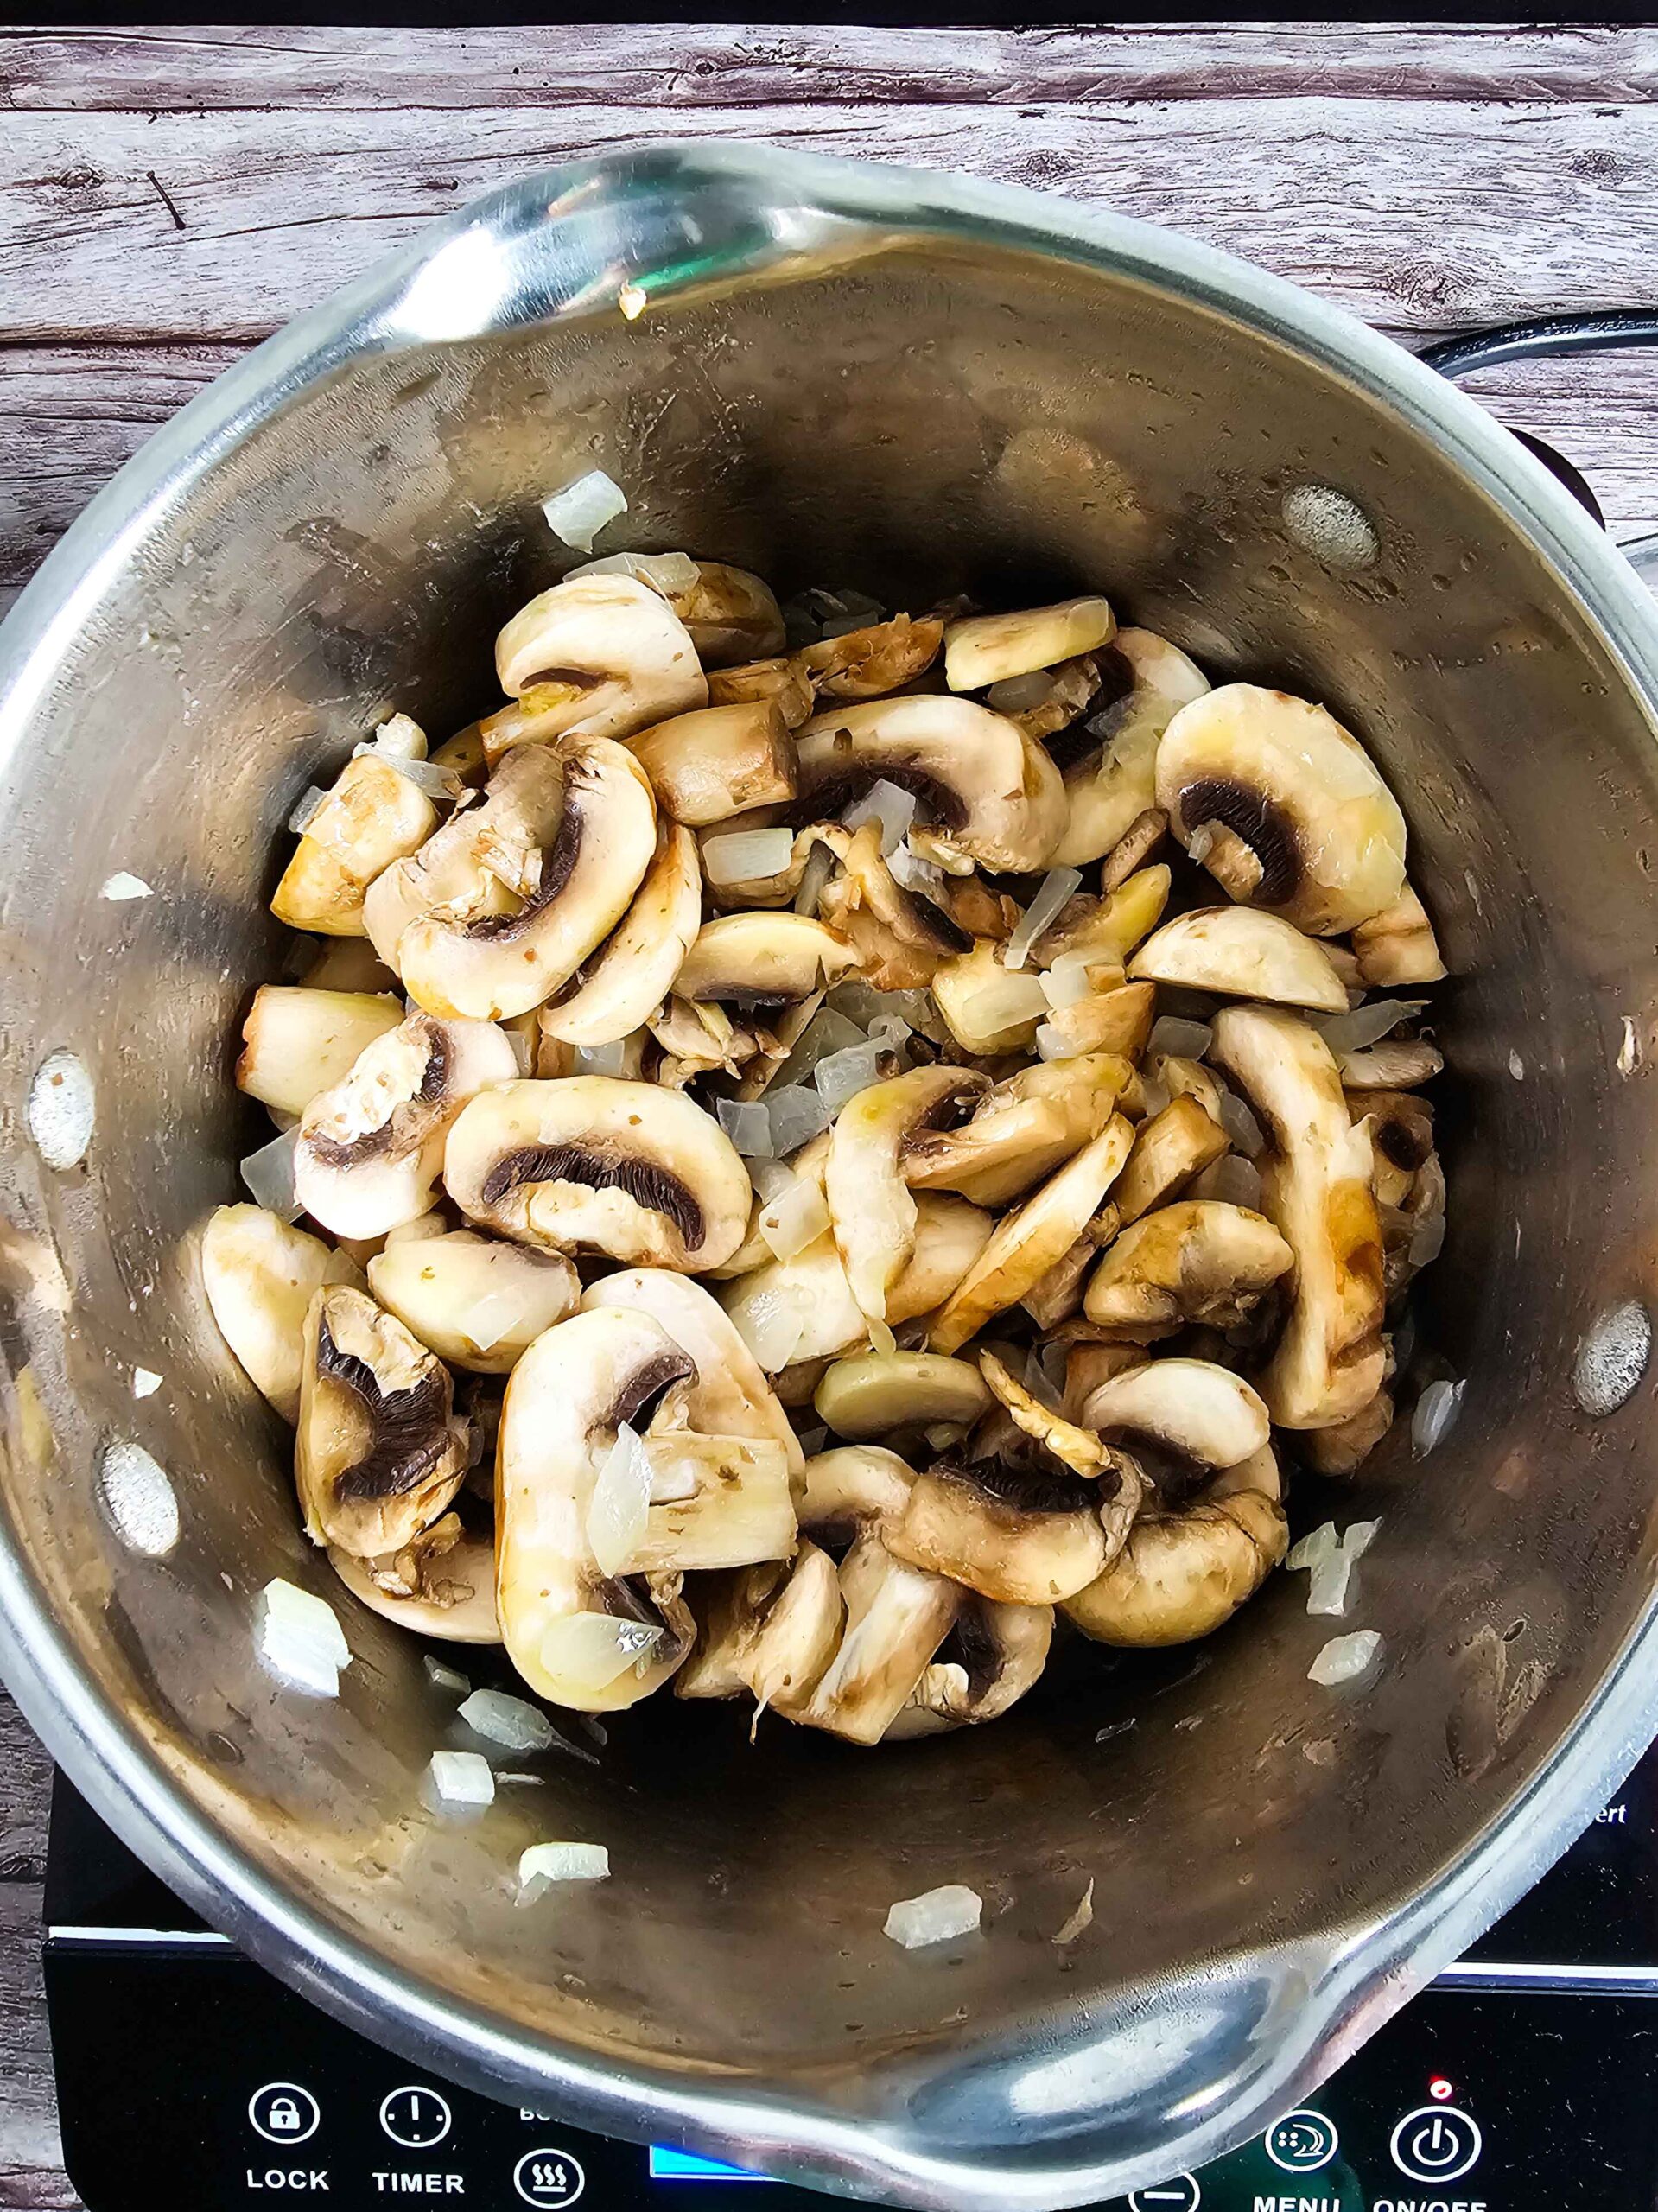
{"x": 1519, "y": 2083}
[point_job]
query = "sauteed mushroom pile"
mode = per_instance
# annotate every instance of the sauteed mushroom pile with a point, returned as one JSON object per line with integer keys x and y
{"x": 833, "y": 1146}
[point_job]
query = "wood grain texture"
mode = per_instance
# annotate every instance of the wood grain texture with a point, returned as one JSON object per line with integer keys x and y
{"x": 25, "y": 1784}
{"x": 31, "y": 2158}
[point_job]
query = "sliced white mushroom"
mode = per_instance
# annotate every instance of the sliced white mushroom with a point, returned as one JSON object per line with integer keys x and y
{"x": 595, "y": 1164}
{"x": 1107, "y": 929}
{"x": 1342, "y": 1449}
{"x": 1197, "y": 1414}
{"x": 1117, "y": 1021}
{"x": 1181, "y": 1575}
{"x": 1133, "y": 848}
{"x": 1090, "y": 1361}
{"x": 984, "y": 649}
{"x": 762, "y": 960}
{"x": 1283, "y": 777}
{"x": 371, "y": 818}
{"x": 297, "y": 1041}
{"x": 503, "y": 964}
{"x": 1024, "y": 1245}
{"x": 260, "y": 1274}
{"x": 1315, "y": 1178}
{"x": 1401, "y": 1138}
{"x": 868, "y": 663}
{"x": 378, "y": 1455}
{"x": 1058, "y": 1295}
{"x": 1020, "y": 1131}
{"x": 731, "y": 614}
{"x": 899, "y": 935}
{"x": 475, "y": 1302}
{"x": 1396, "y": 1064}
{"x": 719, "y": 761}
{"x": 486, "y": 859}
{"x": 1241, "y": 953}
{"x": 1170, "y": 1147}
{"x": 991, "y": 1656}
{"x": 1398, "y": 945}
{"x": 578, "y": 1637}
{"x": 896, "y": 1618}
{"x": 1022, "y": 1539}
{"x": 870, "y": 1209}
{"x": 780, "y": 680}
{"x": 1197, "y": 1260}
{"x": 445, "y": 1590}
{"x": 1112, "y": 783}
{"x": 713, "y": 1502}
{"x": 871, "y": 1393}
{"x": 596, "y": 657}
{"x": 988, "y": 1008}
{"x": 634, "y": 969}
{"x": 772, "y": 1629}
{"x": 850, "y": 1487}
{"x": 977, "y": 780}
{"x": 1056, "y": 696}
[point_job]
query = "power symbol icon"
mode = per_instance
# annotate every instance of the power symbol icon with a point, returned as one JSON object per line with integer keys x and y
{"x": 1436, "y": 2143}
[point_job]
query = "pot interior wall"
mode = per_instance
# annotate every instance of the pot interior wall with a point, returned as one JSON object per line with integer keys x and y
{"x": 917, "y": 422}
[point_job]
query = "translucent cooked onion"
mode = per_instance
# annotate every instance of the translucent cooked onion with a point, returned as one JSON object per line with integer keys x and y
{"x": 794, "y": 1217}
{"x": 796, "y": 1116}
{"x": 1066, "y": 982}
{"x": 1427, "y": 1241}
{"x": 310, "y": 799}
{"x": 1320, "y": 1543}
{"x": 488, "y": 1320}
{"x": 1154, "y": 1094}
{"x": 1056, "y": 887}
{"x": 145, "y": 1382}
{"x": 512, "y": 1721}
{"x": 813, "y": 877}
{"x": 1345, "y": 1658}
{"x": 445, "y": 1678}
{"x": 1327, "y": 1584}
{"x": 1015, "y": 695}
{"x": 667, "y": 573}
{"x": 747, "y": 855}
{"x": 1367, "y": 1025}
{"x": 888, "y": 804}
{"x": 843, "y": 1075}
{"x": 121, "y": 886}
{"x": 1241, "y": 1125}
{"x": 298, "y": 1636}
{"x": 1007, "y": 1002}
{"x": 936, "y": 1916}
{"x": 1187, "y": 1040}
{"x": 748, "y": 1125}
{"x": 882, "y": 1338}
{"x": 590, "y": 1651}
{"x": 1235, "y": 1181}
{"x": 827, "y": 1032}
{"x": 562, "y": 1862}
{"x": 907, "y": 867}
{"x": 578, "y": 511}
{"x": 1436, "y": 1413}
{"x": 461, "y": 1778}
{"x": 269, "y": 1175}
{"x": 1053, "y": 1044}
{"x": 772, "y": 1325}
{"x": 620, "y": 1503}
{"x": 602, "y": 1060}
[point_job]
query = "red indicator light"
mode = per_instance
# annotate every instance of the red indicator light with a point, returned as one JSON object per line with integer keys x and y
{"x": 1440, "y": 2088}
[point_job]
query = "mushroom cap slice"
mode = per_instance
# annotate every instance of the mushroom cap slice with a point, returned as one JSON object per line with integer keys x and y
{"x": 1316, "y": 1190}
{"x": 1343, "y": 1450}
{"x": 1020, "y": 1131}
{"x": 1112, "y": 784}
{"x": 780, "y": 679}
{"x": 592, "y": 1163}
{"x": 1242, "y": 953}
{"x": 261, "y": 1274}
{"x": 1396, "y": 1064}
{"x": 1284, "y": 778}
{"x": 987, "y": 1007}
{"x": 370, "y": 1150}
{"x": 983, "y": 785}
{"x": 475, "y": 1302}
{"x": 453, "y": 1596}
{"x": 378, "y": 1457}
{"x": 1022, "y": 1539}
{"x": 729, "y": 1394}
{"x": 1181, "y": 1575}
{"x": 371, "y": 818}
{"x": 900, "y": 936}
{"x": 991, "y": 1657}
{"x": 635, "y": 967}
{"x": 1106, "y": 929}
{"x": 1398, "y": 945}
{"x": 770, "y": 1629}
{"x": 731, "y": 614}
{"x": 984, "y": 649}
{"x": 1170, "y": 1147}
{"x": 578, "y": 1636}
{"x": 596, "y": 657}
{"x": 718, "y": 761}
{"x": 1117, "y": 1021}
{"x": 1024, "y": 1245}
{"x": 881, "y": 657}
{"x": 852, "y": 1487}
{"x": 870, "y": 1209}
{"x": 503, "y": 964}
{"x": 896, "y": 1618}
{"x": 872, "y": 1393}
{"x": 761, "y": 960}
{"x": 297, "y": 1041}
{"x": 1078, "y": 1448}
{"x": 1199, "y": 1260}
{"x": 1196, "y": 1414}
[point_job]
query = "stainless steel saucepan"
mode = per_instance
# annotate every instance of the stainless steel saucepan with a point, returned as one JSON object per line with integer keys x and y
{"x": 919, "y": 385}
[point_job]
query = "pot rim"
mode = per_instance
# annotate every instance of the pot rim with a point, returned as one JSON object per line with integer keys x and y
{"x": 1353, "y": 1978}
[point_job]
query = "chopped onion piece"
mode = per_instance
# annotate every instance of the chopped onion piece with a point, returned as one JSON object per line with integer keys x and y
{"x": 305, "y": 809}
{"x": 1080, "y": 1918}
{"x": 813, "y": 877}
{"x": 269, "y": 1175}
{"x": 1345, "y": 1657}
{"x": 578, "y": 511}
{"x": 425, "y": 775}
{"x": 1066, "y": 982}
{"x": 445, "y": 1678}
{"x": 747, "y": 855}
{"x": 1427, "y": 1241}
{"x": 793, "y": 1218}
{"x": 1015, "y": 693}
{"x": 1235, "y": 1181}
{"x": 145, "y": 1382}
{"x": 907, "y": 867}
{"x": 1187, "y": 1041}
{"x": 506, "y": 1775}
{"x": 512, "y": 1721}
{"x": 602, "y": 1060}
{"x": 1038, "y": 1381}
{"x": 1436, "y": 1411}
{"x": 772, "y": 1325}
{"x": 562, "y": 1862}
{"x": 1053, "y": 1044}
{"x": 1319, "y": 1544}
{"x": 1201, "y": 839}
{"x": 1366, "y": 1025}
{"x": 888, "y": 804}
{"x": 594, "y": 1648}
{"x": 748, "y": 1126}
{"x": 936, "y": 1916}
{"x": 1007, "y": 1003}
{"x": 667, "y": 573}
{"x": 299, "y": 1637}
{"x": 524, "y": 1051}
{"x": 1327, "y": 1585}
{"x": 484, "y": 1324}
{"x": 620, "y": 1503}
{"x": 827, "y": 1032}
{"x": 1154, "y": 1093}
{"x": 1052, "y": 891}
{"x": 797, "y": 1116}
{"x": 121, "y": 886}
{"x": 1358, "y": 1537}
{"x": 1241, "y": 1125}
{"x": 461, "y": 1778}
{"x": 843, "y": 1075}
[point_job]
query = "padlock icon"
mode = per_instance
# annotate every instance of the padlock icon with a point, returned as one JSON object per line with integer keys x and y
{"x": 283, "y": 2117}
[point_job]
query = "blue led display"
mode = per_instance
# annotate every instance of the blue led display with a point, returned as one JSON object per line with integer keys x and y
{"x": 685, "y": 2165}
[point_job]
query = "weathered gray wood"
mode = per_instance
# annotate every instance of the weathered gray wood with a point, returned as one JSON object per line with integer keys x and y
{"x": 31, "y": 2158}
{"x": 25, "y": 1782}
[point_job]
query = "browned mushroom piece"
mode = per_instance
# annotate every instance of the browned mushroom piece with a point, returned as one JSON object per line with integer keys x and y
{"x": 1182, "y": 1574}
{"x": 1196, "y": 1260}
{"x": 868, "y": 663}
{"x": 992, "y": 1658}
{"x": 1023, "y": 1539}
{"x": 1170, "y": 1148}
{"x": 718, "y": 761}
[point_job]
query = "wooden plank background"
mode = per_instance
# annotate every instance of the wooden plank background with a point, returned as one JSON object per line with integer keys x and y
{"x": 168, "y": 197}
